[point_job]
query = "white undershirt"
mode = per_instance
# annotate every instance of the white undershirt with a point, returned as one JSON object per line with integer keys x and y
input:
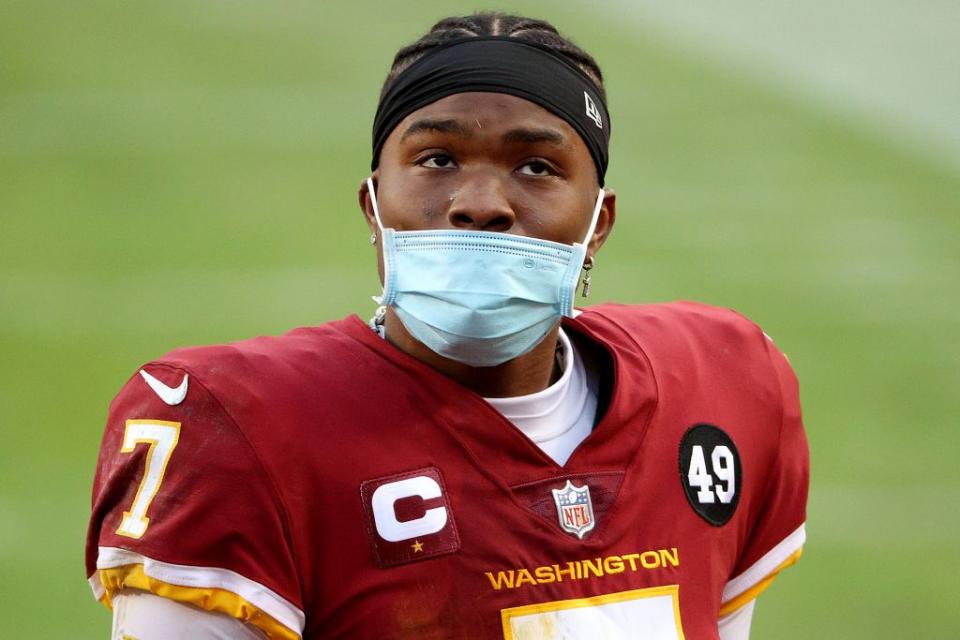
{"x": 556, "y": 419}
{"x": 561, "y": 416}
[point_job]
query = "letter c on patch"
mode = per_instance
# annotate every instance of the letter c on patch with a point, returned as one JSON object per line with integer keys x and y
{"x": 385, "y": 516}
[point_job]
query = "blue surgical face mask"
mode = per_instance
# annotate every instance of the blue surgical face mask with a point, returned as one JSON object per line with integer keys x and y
{"x": 479, "y": 297}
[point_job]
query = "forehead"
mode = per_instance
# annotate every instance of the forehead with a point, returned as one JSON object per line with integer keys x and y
{"x": 493, "y": 112}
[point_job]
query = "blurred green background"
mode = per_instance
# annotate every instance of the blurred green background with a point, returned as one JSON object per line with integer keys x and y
{"x": 184, "y": 172}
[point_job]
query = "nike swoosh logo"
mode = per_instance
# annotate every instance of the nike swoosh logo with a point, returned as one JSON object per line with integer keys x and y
{"x": 168, "y": 394}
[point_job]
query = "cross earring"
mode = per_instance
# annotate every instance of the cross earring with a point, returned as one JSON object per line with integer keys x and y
{"x": 587, "y": 266}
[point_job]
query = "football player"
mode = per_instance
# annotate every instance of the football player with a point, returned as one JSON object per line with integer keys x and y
{"x": 481, "y": 460}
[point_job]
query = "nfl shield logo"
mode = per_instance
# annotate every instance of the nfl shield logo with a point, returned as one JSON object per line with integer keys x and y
{"x": 574, "y": 509}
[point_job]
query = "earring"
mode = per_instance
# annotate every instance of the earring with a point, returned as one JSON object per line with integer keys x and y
{"x": 373, "y": 238}
{"x": 587, "y": 266}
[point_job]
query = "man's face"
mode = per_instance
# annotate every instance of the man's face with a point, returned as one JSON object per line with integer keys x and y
{"x": 489, "y": 162}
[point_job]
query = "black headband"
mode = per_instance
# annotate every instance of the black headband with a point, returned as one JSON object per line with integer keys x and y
{"x": 499, "y": 64}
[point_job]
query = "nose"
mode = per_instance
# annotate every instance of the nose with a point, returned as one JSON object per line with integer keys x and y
{"x": 482, "y": 205}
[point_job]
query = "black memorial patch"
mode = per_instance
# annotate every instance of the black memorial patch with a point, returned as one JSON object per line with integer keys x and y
{"x": 710, "y": 473}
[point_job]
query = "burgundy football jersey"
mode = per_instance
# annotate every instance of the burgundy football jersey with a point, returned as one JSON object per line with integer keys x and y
{"x": 324, "y": 484}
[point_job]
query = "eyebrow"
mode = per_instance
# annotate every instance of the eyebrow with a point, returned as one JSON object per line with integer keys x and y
{"x": 438, "y": 126}
{"x": 534, "y": 136}
{"x": 518, "y": 135}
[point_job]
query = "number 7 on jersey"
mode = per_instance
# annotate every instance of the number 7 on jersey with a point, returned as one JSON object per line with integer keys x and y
{"x": 162, "y": 438}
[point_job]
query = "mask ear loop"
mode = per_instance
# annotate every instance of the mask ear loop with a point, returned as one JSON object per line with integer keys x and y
{"x": 589, "y": 262}
{"x": 593, "y": 221}
{"x": 376, "y": 208}
{"x": 386, "y": 266}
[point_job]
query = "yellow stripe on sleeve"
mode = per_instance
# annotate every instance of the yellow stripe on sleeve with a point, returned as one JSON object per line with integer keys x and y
{"x": 132, "y": 576}
{"x": 754, "y": 591}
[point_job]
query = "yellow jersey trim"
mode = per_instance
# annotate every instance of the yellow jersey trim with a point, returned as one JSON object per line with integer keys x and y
{"x": 210, "y": 599}
{"x": 760, "y": 587}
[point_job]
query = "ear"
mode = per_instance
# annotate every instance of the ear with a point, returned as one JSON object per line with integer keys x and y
{"x": 605, "y": 220}
{"x": 366, "y": 205}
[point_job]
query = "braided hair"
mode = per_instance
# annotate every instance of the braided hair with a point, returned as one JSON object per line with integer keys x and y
{"x": 489, "y": 23}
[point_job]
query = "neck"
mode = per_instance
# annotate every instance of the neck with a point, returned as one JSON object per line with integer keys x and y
{"x": 529, "y": 373}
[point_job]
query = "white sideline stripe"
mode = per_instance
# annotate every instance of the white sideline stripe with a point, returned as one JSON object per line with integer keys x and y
{"x": 762, "y": 567}
{"x": 255, "y": 593}
{"x": 896, "y": 84}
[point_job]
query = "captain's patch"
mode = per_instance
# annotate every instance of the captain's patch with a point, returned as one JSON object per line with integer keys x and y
{"x": 409, "y": 517}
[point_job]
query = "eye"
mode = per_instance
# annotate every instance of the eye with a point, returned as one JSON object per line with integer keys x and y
{"x": 537, "y": 168}
{"x": 437, "y": 161}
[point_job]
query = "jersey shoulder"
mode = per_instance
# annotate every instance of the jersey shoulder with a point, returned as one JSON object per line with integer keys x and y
{"x": 265, "y": 373}
{"x": 185, "y": 499}
{"x": 681, "y": 318}
{"x": 723, "y": 363}
{"x": 264, "y": 360}
{"x": 687, "y": 338}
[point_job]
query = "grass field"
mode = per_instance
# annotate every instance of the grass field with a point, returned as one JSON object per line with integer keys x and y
{"x": 185, "y": 172}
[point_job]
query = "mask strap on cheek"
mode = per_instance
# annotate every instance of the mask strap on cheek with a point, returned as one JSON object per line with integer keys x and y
{"x": 385, "y": 297}
{"x": 376, "y": 208}
{"x": 593, "y": 221}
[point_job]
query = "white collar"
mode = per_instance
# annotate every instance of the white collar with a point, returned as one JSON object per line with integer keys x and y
{"x": 561, "y": 416}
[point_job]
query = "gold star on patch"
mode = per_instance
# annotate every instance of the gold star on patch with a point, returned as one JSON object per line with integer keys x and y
{"x": 417, "y": 546}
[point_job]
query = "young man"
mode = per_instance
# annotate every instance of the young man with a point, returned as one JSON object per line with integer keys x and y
{"x": 481, "y": 460}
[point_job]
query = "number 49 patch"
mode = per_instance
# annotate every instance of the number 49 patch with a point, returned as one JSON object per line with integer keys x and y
{"x": 710, "y": 473}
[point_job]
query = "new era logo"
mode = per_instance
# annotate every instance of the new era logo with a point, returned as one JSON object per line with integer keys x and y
{"x": 592, "y": 112}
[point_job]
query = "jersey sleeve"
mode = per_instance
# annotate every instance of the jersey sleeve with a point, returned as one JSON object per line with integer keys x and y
{"x": 736, "y": 626}
{"x": 182, "y": 508}
{"x": 776, "y": 538}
